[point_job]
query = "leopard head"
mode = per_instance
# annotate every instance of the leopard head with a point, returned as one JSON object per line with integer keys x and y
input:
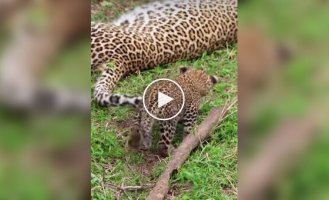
{"x": 200, "y": 80}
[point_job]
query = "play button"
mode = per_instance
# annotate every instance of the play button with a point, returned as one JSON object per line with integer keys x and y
{"x": 163, "y": 99}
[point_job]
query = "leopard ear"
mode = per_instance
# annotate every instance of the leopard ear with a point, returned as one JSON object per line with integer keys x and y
{"x": 183, "y": 70}
{"x": 214, "y": 79}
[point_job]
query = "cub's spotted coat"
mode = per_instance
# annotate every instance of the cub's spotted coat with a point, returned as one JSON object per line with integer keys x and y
{"x": 155, "y": 34}
{"x": 195, "y": 84}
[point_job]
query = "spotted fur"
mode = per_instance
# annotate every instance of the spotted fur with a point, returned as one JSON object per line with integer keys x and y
{"x": 156, "y": 34}
{"x": 195, "y": 84}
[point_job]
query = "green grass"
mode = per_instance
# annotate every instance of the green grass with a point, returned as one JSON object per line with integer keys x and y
{"x": 211, "y": 170}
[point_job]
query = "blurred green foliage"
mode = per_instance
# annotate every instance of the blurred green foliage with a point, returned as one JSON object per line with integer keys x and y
{"x": 301, "y": 89}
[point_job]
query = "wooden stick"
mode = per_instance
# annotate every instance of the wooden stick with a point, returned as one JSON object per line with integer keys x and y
{"x": 216, "y": 116}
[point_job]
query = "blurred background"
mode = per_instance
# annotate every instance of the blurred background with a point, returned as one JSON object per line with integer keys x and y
{"x": 44, "y": 99}
{"x": 283, "y": 99}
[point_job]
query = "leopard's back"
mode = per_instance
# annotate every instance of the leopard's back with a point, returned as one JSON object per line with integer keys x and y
{"x": 154, "y": 14}
{"x": 209, "y": 24}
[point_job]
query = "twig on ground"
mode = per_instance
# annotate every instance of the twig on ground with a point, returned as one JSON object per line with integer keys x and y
{"x": 128, "y": 188}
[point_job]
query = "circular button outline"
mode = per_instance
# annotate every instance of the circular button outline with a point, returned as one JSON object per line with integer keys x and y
{"x": 180, "y": 88}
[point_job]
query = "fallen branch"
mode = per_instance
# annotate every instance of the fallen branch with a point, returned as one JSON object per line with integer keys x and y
{"x": 215, "y": 117}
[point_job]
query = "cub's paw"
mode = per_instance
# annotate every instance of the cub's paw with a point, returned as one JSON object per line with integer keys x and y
{"x": 165, "y": 151}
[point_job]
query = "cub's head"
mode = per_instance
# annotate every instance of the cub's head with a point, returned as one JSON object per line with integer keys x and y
{"x": 200, "y": 80}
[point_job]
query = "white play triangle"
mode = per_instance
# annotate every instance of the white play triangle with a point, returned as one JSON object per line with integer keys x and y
{"x": 163, "y": 99}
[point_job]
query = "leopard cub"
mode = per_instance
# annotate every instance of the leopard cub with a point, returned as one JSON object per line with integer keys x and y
{"x": 195, "y": 84}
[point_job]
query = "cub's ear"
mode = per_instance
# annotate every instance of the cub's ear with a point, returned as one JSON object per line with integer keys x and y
{"x": 214, "y": 79}
{"x": 183, "y": 70}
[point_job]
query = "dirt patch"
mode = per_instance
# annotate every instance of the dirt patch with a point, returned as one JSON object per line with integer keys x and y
{"x": 230, "y": 191}
{"x": 151, "y": 161}
{"x": 124, "y": 128}
{"x": 146, "y": 169}
{"x": 178, "y": 189}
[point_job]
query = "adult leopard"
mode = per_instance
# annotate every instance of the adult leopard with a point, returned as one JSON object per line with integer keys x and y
{"x": 156, "y": 34}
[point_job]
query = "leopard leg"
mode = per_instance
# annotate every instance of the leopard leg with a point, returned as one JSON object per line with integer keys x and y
{"x": 167, "y": 133}
{"x": 189, "y": 119}
{"x": 105, "y": 84}
{"x": 134, "y": 138}
{"x": 145, "y": 131}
